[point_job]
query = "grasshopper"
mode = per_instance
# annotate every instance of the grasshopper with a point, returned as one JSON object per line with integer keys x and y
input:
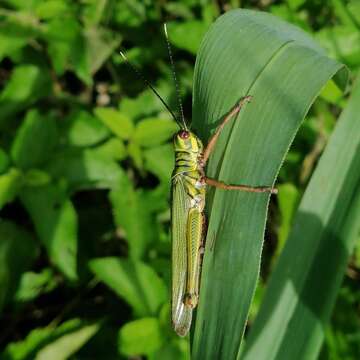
{"x": 189, "y": 182}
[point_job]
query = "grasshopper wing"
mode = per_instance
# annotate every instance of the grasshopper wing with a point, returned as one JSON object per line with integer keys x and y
{"x": 181, "y": 314}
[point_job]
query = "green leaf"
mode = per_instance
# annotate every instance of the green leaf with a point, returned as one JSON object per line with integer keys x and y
{"x": 94, "y": 11}
{"x": 78, "y": 59}
{"x": 51, "y": 8}
{"x": 140, "y": 337}
{"x": 27, "y": 84}
{"x": 82, "y": 49}
{"x": 175, "y": 349}
{"x": 33, "y": 284}
{"x": 85, "y": 169}
{"x": 10, "y": 40}
{"x": 357, "y": 254}
{"x": 303, "y": 288}
{"x": 113, "y": 149}
{"x": 23, "y": 4}
{"x": 83, "y": 129}
{"x": 145, "y": 104}
{"x": 295, "y": 4}
{"x": 100, "y": 44}
{"x": 10, "y": 185}
{"x": 288, "y": 199}
{"x": 151, "y": 132}
{"x": 68, "y": 344}
{"x": 117, "y": 122}
{"x": 4, "y": 161}
{"x": 52, "y": 343}
{"x": 55, "y": 221}
{"x": 246, "y": 52}
{"x": 34, "y": 141}
{"x": 179, "y": 10}
{"x": 135, "y": 219}
{"x": 344, "y": 15}
{"x": 136, "y": 155}
{"x": 331, "y": 93}
{"x": 187, "y": 35}
{"x": 133, "y": 281}
{"x": 17, "y": 252}
{"x": 160, "y": 161}
{"x": 36, "y": 177}
{"x": 354, "y": 9}
{"x": 66, "y": 46}
{"x": 131, "y": 14}
{"x": 342, "y": 42}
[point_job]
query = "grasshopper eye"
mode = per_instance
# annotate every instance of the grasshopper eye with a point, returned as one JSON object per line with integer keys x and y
{"x": 184, "y": 134}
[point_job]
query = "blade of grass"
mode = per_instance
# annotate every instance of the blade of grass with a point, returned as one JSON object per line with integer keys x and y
{"x": 247, "y": 52}
{"x": 304, "y": 285}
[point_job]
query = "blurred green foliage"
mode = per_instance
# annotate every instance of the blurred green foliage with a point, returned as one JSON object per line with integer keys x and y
{"x": 85, "y": 167}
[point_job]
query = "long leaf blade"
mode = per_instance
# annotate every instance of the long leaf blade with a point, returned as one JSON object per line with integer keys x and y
{"x": 243, "y": 53}
{"x": 304, "y": 285}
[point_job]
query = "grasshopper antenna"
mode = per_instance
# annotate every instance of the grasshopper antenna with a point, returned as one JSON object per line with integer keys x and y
{"x": 181, "y": 111}
{"x": 142, "y": 77}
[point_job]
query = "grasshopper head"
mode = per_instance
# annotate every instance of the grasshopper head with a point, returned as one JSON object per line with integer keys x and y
{"x": 185, "y": 140}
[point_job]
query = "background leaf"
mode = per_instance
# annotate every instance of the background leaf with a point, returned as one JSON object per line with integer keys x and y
{"x": 18, "y": 250}
{"x": 328, "y": 220}
{"x": 10, "y": 185}
{"x": 68, "y": 344}
{"x": 33, "y": 284}
{"x": 85, "y": 169}
{"x": 28, "y": 83}
{"x": 288, "y": 198}
{"x": 159, "y": 160}
{"x": 55, "y": 221}
{"x": 151, "y": 337}
{"x": 83, "y": 129}
{"x": 59, "y": 343}
{"x": 117, "y": 122}
{"x": 179, "y": 34}
{"x": 134, "y": 217}
{"x": 4, "y": 161}
{"x": 151, "y": 132}
{"x": 113, "y": 149}
{"x": 134, "y": 281}
{"x": 34, "y": 141}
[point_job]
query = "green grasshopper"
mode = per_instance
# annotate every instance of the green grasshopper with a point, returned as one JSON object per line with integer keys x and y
{"x": 189, "y": 183}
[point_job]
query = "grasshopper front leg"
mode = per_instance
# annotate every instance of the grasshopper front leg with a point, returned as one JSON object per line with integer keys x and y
{"x": 233, "y": 112}
{"x": 211, "y": 145}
